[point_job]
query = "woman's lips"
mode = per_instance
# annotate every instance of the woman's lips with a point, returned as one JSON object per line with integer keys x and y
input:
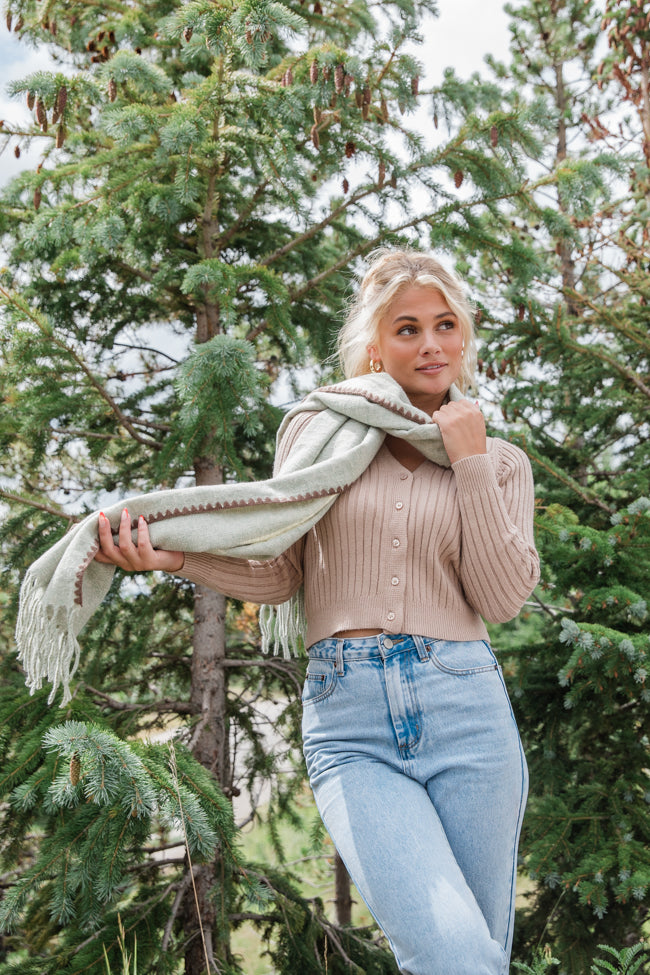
{"x": 431, "y": 367}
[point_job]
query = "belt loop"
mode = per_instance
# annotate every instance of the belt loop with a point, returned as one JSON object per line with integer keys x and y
{"x": 340, "y": 669}
{"x": 423, "y": 653}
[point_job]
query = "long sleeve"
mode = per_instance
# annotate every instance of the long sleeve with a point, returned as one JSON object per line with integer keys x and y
{"x": 499, "y": 565}
{"x": 272, "y": 581}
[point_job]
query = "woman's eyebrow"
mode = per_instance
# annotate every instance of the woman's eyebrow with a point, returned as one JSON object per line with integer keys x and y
{"x": 414, "y": 318}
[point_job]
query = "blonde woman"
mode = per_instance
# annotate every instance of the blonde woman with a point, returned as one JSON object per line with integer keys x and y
{"x": 411, "y": 746}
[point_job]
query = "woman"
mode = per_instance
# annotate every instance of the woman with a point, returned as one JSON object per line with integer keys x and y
{"x": 411, "y": 746}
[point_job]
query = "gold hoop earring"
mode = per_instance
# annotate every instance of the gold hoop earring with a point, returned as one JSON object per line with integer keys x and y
{"x": 375, "y": 366}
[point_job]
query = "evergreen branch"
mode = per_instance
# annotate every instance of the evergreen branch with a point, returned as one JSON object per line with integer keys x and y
{"x": 553, "y": 613}
{"x": 58, "y": 512}
{"x": 178, "y": 707}
{"x": 188, "y": 879}
{"x": 174, "y": 772}
{"x": 245, "y": 213}
{"x": 612, "y": 361}
{"x": 47, "y": 331}
{"x": 570, "y": 483}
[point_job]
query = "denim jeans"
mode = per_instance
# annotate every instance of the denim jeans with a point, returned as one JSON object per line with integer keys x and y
{"x": 418, "y": 773}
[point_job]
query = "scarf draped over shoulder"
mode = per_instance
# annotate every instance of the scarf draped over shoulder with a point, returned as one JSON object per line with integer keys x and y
{"x": 256, "y": 520}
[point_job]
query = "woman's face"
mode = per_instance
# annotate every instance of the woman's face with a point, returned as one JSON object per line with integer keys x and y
{"x": 420, "y": 344}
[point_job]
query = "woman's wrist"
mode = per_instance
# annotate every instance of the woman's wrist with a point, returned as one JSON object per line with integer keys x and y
{"x": 174, "y": 561}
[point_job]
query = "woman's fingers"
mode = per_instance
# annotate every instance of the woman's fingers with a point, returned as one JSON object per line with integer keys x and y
{"x": 138, "y": 556}
{"x": 462, "y": 426}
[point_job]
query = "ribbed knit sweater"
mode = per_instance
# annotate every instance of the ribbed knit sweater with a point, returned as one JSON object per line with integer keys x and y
{"x": 432, "y": 551}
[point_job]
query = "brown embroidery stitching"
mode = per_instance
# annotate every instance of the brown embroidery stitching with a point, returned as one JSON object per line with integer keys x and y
{"x": 200, "y": 509}
{"x": 375, "y": 398}
{"x": 78, "y": 583}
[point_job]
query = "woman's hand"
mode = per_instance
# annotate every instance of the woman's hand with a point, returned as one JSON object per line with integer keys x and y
{"x": 463, "y": 429}
{"x": 139, "y": 557}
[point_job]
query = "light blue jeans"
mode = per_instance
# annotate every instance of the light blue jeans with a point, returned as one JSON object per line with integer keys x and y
{"x": 418, "y": 773}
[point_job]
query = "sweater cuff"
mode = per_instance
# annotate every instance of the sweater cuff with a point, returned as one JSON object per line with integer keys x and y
{"x": 475, "y": 473}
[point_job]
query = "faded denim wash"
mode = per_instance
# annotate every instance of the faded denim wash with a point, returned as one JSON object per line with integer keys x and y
{"x": 418, "y": 772}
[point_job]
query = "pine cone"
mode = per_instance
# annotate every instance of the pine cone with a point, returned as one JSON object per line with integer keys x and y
{"x": 60, "y": 136}
{"x": 458, "y": 178}
{"x": 521, "y": 311}
{"x": 339, "y": 76}
{"x": 17, "y": 152}
{"x": 75, "y": 769}
{"x": 382, "y": 173}
{"x": 37, "y": 198}
{"x": 384, "y": 110}
{"x": 350, "y": 149}
{"x": 494, "y": 136}
{"x": 61, "y": 99}
{"x": 317, "y": 8}
{"x": 9, "y": 20}
{"x": 41, "y": 115}
{"x": 112, "y": 90}
{"x": 313, "y": 72}
{"x": 346, "y": 185}
{"x": 415, "y": 85}
{"x": 31, "y": 98}
{"x": 19, "y": 24}
{"x": 187, "y": 34}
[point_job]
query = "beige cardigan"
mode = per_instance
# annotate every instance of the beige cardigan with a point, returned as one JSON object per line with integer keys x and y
{"x": 429, "y": 551}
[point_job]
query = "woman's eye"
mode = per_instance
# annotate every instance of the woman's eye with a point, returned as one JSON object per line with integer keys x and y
{"x": 447, "y": 325}
{"x": 407, "y": 330}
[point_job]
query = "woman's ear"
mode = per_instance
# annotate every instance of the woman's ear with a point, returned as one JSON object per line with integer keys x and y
{"x": 372, "y": 351}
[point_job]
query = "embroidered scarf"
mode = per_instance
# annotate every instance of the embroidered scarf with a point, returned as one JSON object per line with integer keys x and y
{"x": 257, "y": 520}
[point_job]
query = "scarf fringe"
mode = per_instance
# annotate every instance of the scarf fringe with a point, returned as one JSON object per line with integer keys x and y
{"x": 48, "y": 647}
{"x": 284, "y": 627}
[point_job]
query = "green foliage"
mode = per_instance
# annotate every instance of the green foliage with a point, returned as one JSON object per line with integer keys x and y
{"x": 210, "y": 175}
{"x": 626, "y": 961}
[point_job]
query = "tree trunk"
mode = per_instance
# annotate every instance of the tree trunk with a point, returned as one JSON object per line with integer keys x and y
{"x": 342, "y": 897}
{"x": 210, "y": 746}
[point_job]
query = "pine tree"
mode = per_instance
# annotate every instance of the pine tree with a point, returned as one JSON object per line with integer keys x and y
{"x": 566, "y": 359}
{"x": 210, "y": 172}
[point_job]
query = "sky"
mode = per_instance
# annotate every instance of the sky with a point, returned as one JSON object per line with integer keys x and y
{"x": 464, "y": 32}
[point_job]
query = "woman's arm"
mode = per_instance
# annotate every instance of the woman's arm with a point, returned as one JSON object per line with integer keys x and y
{"x": 271, "y": 581}
{"x": 499, "y": 563}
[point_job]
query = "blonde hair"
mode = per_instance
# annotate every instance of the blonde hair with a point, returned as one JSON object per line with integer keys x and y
{"x": 389, "y": 272}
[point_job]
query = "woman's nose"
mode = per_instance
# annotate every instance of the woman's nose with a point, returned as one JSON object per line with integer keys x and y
{"x": 430, "y": 342}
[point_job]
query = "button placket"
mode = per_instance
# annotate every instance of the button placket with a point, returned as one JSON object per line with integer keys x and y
{"x": 397, "y": 542}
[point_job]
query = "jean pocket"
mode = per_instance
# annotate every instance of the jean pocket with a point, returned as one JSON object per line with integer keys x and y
{"x": 320, "y": 681}
{"x": 462, "y": 657}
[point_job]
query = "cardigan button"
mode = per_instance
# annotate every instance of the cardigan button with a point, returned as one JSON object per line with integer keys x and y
{"x": 399, "y": 505}
{"x": 390, "y": 616}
